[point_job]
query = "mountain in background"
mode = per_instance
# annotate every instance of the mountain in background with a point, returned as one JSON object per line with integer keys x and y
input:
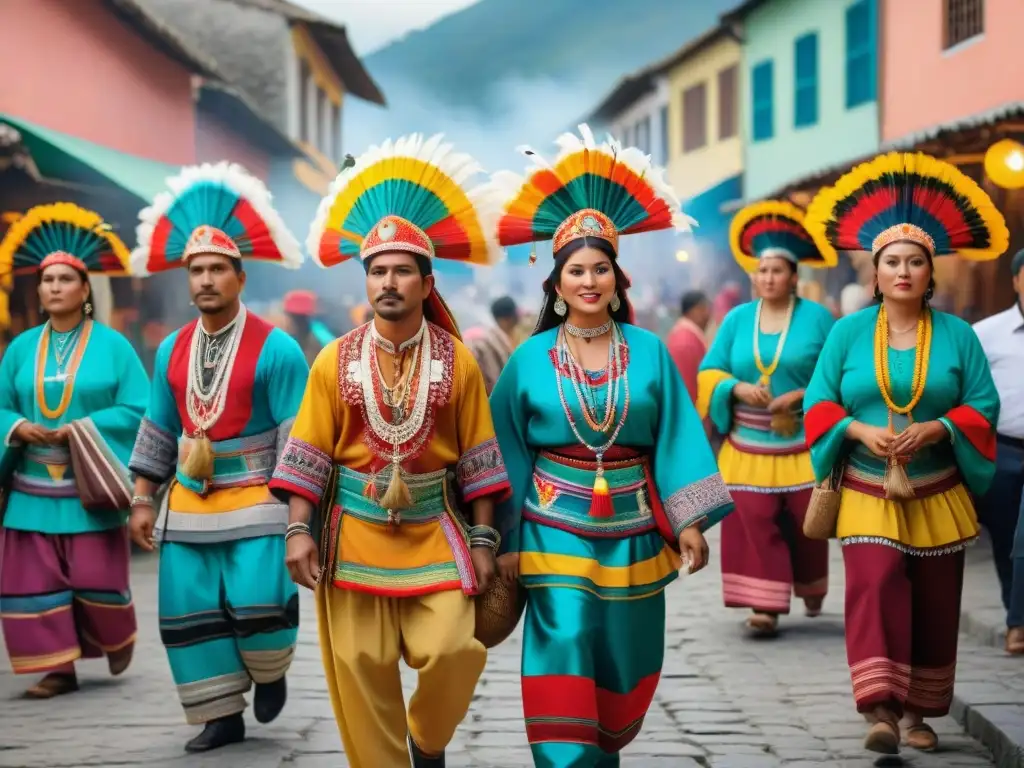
{"x": 459, "y": 59}
{"x": 501, "y": 73}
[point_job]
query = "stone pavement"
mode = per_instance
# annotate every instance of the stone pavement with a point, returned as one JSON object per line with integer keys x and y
{"x": 991, "y": 710}
{"x": 724, "y": 702}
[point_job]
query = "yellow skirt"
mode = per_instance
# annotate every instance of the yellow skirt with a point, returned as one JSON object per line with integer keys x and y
{"x": 938, "y": 521}
{"x": 757, "y": 470}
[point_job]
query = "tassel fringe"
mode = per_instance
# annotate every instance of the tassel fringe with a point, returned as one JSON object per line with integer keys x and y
{"x": 896, "y": 483}
{"x": 601, "y": 501}
{"x": 198, "y": 463}
{"x": 397, "y": 496}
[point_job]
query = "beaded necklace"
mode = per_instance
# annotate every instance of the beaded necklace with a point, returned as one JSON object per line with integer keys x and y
{"x": 67, "y": 377}
{"x": 922, "y": 353}
{"x": 208, "y": 374}
{"x": 617, "y": 379}
{"x": 766, "y": 372}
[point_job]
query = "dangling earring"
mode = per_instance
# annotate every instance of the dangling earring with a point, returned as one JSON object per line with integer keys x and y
{"x": 560, "y": 307}
{"x": 615, "y": 303}
{"x": 87, "y": 308}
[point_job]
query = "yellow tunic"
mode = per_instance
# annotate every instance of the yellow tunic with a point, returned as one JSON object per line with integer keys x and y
{"x": 427, "y": 551}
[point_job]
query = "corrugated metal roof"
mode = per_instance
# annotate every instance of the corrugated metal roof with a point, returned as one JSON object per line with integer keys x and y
{"x": 1006, "y": 111}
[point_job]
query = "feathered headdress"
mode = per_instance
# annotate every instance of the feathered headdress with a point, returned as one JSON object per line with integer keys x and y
{"x": 212, "y": 209}
{"x": 774, "y": 228}
{"x": 588, "y": 191}
{"x": 61, "y": 233}
{"x": 910, "y": 198}
{"x": 413, "y": 195}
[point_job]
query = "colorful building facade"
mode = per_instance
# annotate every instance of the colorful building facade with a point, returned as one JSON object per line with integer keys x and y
{"x": 808, "y": 88}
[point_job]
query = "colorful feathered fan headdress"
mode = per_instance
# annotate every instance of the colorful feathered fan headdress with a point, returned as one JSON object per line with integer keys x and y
{"x": 774, "y": 228}
{"x": 904, "y": 197}
{"x": 212, "y": 209}
{"x": 413, "y": 195}
{"x": 61, "y": 233}
{"x": 590, "y": 190}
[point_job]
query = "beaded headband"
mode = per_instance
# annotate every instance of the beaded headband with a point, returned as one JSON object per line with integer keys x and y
{"x": 393, "y": 233}
{"x": 588, "y": 222}
{"x": 63, "y": 257}
{"x": 206, "y": 240}
{"x": 903, "y": 233}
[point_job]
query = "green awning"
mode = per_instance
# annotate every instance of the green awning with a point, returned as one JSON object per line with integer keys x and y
{"x": 68, "y": 158}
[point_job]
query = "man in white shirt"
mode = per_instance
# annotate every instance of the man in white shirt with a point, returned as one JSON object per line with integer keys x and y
{"x": 1000, "y": 510}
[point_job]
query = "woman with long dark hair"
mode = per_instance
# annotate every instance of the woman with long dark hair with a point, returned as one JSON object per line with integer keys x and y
{"x": 751, "y": 383}
{"x": 908, "y": 437}
{"x": 613, "y": 479}
{"x": 72, "y": 395}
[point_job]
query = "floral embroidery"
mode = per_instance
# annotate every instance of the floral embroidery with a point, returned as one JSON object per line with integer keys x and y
{"x": 481, "y": 470}
{"x": 303, "y": 466}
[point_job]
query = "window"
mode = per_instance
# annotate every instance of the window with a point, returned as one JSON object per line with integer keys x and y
{"x": 304, "y": 77}
{"x": 627, "y": 137}
{"x": 664, "y": 135}
{"x": 314, "y": 108}
{"x": 963, "y": 19}
{"x": 805, "y": 69}
{"x": 860, "y": 53}
{"x": 643, "y": 135}
{"x": 727, "y": 123}
{"x": 695, "y": 117}
{"x": 763, "y": 111}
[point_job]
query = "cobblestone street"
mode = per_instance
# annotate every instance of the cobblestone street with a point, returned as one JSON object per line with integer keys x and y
{"x": 724, "y": 702}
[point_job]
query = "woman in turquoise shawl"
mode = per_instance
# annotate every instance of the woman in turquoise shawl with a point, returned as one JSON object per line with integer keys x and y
{"x": 908, "y": 436}
{"x": 751, "y": 384}
{"x": 613, "y": 478}
{"x": 72, "y": 395}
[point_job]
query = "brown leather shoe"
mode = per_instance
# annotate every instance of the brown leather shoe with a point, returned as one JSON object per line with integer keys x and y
{"x": 118, "y": 661}
{"x": 921, "y": 737}
{"x": 883, "y": 736}
{"x": 54, "y": 684}
{"x": 1015, "y": 641}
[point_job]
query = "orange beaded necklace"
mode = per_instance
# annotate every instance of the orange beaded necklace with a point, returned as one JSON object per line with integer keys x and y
{"x": 69, "y": 381}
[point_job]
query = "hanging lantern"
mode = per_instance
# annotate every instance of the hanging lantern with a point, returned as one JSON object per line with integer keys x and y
{"x": 1004, "y": 164}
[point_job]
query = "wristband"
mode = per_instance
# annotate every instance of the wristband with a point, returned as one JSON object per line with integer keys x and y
{"x": 142, "y": 500}
{"x": 484, "y": 536}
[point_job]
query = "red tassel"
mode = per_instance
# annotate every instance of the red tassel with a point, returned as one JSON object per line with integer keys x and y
{"x": 601, "y": 500}
{"x": 370, "y": 490}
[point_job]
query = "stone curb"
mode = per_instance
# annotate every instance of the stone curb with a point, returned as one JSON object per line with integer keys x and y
{"x": 997, "y": 726}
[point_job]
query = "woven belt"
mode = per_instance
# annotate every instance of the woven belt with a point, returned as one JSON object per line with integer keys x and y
{"x": 34, "y": 476}
{"x": 241, "y": 462}
{"x": 428, "y": 491}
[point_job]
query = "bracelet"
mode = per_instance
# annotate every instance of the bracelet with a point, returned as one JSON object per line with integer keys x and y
{"x": 949, "y": 428}
{"x": 141, "y": 500}
{"x": 484, "y": 536}
{"x": 297, "y": 529}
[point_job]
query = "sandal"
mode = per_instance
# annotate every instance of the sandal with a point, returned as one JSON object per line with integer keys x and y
{"x": 812, "y": 606}
{"x": 883, "y": 736}
{"x": 921, "y": 737}
{"x": 763, "y": 625}
{"x": 54, "y": 684}
{"x": 1015, "y": 641}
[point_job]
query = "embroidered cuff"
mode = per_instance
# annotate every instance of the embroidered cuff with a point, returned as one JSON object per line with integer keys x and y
{"x": 696, "y": 501}
{"x": 481, "y": 471}
{"x": 302, "y": 469}
{"x": 155, "y": 455}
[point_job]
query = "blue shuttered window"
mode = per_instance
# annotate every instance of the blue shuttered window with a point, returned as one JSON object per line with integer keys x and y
{"x": 663, "y": 121}
{"x": 861, "y": 53}
{"x": 762, "y": 96}
{"x": 805, "y": 68}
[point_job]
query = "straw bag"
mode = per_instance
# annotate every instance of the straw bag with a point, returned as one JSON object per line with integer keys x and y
{"x": 823, "y": 509}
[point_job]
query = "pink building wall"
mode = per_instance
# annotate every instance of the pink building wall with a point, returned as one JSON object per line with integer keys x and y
{"x": 77, "y": 68}
{"x": 216, "y": 141}
{"x": 922, "y": 85}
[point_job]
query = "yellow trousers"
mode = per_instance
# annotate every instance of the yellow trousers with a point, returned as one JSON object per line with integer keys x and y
{"x": 362, "y": 638}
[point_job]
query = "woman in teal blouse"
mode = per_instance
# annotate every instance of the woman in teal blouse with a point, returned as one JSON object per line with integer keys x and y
{"x": 613, "y": 479}
{"x": 900, "y": 411}
{"x": 751, "y": 383}
{"x": 71, "y": 382}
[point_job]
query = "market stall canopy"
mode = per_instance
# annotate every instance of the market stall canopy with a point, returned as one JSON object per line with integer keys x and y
{"x": 68, "y": 158}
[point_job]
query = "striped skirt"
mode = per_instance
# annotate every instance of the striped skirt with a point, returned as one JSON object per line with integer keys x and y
{"x": 594, "y": 628}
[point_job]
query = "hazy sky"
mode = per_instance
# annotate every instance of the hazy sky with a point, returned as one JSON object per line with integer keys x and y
{"x": 372, "y": 23}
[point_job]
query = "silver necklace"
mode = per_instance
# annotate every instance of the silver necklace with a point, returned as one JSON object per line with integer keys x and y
{"x": 587, "y": 333}
{"x": 205, "y": 405}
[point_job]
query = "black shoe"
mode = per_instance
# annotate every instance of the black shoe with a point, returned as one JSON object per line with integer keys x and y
{"x": 269, "y": 700}
{"x": 219, "y": 733}
{"x": 419, "y": 760}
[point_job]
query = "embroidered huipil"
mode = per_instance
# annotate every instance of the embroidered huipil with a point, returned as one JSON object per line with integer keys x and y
{"x": 958, "y": 391}
{"x": 108, "y": 399}
{"x": 754, "y": 457}
{"x": 677, "y": 487}
{"x": 264, "y": 391}
{"x": 426, "y": 549}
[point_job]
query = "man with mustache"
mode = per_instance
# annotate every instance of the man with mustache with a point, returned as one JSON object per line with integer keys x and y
{"x": 226, "y": 388}
{"x": 393, "y": 428}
